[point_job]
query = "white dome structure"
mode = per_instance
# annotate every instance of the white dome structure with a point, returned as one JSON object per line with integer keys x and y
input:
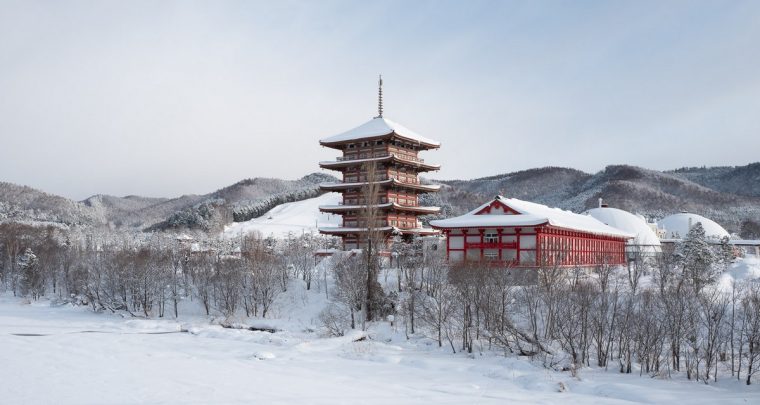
{"x": 646, "y": 240}
{"x": 677, "y": 226}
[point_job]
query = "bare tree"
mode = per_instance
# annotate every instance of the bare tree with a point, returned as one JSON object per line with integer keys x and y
{"x": 374, "y": 238}
{"x": 300, "y": 258}
{"x": 436, "y": 309}
{"x": 350, "y": 283}
{"x": 751, "y": 331}
{"x": 267, "y": 271}
{"x": 201, "y": 268}
{"x": 228, "y": 280}
{"x": 713, "y": 307}
{"x": 605, "y": 311}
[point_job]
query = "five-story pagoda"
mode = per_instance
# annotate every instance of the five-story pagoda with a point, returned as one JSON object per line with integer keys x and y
{"x": 380, "y": 187}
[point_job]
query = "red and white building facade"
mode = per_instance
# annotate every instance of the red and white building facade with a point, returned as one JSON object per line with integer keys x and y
{"x": 518, "y": 233}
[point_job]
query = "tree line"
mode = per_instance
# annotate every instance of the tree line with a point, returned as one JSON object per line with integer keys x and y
{"x": 151, "y": 275}
{"x": 664, "y": 314}
{"x": 661, "y": 315}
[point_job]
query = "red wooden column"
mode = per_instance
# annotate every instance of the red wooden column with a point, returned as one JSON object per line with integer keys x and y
{"x": 498, "y": 233}
{"x": 464, "y": 244}
{"x": 448, "y": 242}
{"x": 482, "y": 240}
{"x": 538, "y": 247}
{"x": 517, "y": 238}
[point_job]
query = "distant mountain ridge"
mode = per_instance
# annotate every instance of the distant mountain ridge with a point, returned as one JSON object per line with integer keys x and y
{"x": 22, "y": 203}
{"x": 741, "y": 180}
{"x": 728, "y": 195}
{"x": 246, "y": 197}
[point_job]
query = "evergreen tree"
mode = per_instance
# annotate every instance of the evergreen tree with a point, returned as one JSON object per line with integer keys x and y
{"x": 32, "y": 282}
{"x": 696, "y": 258}
{"x": 725, "y": 254}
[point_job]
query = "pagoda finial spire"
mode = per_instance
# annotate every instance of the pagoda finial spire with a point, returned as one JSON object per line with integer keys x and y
{"x": 380, "y": 97}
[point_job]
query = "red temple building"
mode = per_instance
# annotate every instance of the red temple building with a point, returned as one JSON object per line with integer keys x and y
{"x": 383, "y": 156}
{"x": 519, "y": 233}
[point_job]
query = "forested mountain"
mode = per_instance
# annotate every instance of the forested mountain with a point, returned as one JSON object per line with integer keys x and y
{"x": 741, "y": 180}
{"x": 242, "y": 201}
{"x": 651, "y": 193}
{"x": 22, "y": 203}
{"x": 728, "y": 195}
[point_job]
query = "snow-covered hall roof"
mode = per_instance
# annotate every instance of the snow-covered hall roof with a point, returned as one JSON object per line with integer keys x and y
{"x": 376, "y": 127}
{"x": 625, "y": 221}
{"x": 527, "y": 214}
{"x": 677, "y": 226}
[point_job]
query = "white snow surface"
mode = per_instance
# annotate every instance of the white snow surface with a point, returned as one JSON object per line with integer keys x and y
{"x": 742, "y": 269}
{"x": 379, "y": 126}
{"x": 290, "y": 218}
{"x": 627, "y": 222}
{"x": 677, "y": 226}
{"x": 70, "y": 355}
{"x": 530, "y": 214}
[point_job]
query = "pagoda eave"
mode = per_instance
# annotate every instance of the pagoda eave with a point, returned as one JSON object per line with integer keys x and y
{"x": 386, "y": 206}
{"x": 416, "y": 164}
{"x": 341, "y": 145}
{"x": 388, "y": 183}
{"x": 419, "y": 231}
{"x": 343, "y": 230}
{"x": 384, "y": 229}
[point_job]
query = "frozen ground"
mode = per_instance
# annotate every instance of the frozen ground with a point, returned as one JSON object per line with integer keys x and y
{"x": 64, "y": 355}
{"x": 746, "y": 268}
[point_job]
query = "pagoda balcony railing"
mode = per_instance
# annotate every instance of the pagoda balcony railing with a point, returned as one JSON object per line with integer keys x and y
{"x": 355, "y": 224}
{"x": 383, "y": 177}
{"x": 381, "y": 154}
{"x": 382, "y": 201}
{"x": 406, "y": 181}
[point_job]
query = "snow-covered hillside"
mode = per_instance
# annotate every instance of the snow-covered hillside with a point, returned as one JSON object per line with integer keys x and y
{"x": 289, "y": 218}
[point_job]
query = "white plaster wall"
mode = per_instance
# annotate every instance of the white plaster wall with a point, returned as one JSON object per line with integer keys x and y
{"x": 456, "y": 242}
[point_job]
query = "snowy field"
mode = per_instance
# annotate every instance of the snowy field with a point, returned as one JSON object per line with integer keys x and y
{"x": 290, "y": 218}
{"x": 67, "y": 355}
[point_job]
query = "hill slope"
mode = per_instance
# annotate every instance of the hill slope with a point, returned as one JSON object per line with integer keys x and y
{"x": 728, "y": 195}
{"x": 243, "y": 200}
{"x": 24, "y": 203}
{"x": 289, "y": 218}
{"x": 740, "y": 180}
{"x": 651, "y": 193}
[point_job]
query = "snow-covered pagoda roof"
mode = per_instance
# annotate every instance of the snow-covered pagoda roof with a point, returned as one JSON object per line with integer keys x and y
{"x": 511, "y": 212}
{"x": 376, "y": 128}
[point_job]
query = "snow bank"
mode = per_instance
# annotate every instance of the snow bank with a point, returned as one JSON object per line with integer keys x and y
{"x": 743, "y": 269}
{"x": 87, "y": 358}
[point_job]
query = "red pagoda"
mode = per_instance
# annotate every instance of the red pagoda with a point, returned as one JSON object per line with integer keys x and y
{"x": 381, "y": 156}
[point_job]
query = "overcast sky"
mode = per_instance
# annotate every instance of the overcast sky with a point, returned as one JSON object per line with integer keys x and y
{"x": 164, "y": 98}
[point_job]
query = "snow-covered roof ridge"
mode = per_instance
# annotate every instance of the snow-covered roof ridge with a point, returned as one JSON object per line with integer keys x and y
{"x": 529, "y": 214}
{"x": 376, "y": 127}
